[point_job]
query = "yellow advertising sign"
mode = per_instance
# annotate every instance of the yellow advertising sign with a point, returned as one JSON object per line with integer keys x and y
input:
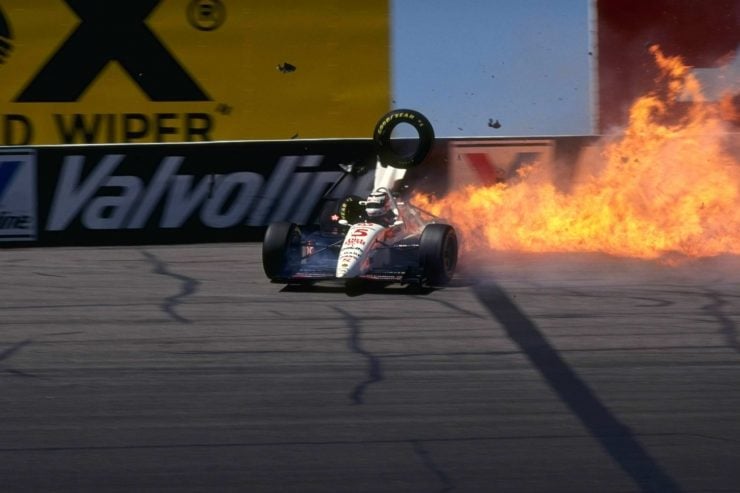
{"x": 92, "y": 71}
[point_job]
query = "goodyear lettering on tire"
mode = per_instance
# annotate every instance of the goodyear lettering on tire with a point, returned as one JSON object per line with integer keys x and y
{"x": 387, "y": 155}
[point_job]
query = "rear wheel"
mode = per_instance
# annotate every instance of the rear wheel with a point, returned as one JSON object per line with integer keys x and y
{"x": 438, "y": 253}
{"x": 281, "y": 251}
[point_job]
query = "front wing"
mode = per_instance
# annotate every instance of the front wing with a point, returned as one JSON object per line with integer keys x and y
{"x": 398, "y": 262}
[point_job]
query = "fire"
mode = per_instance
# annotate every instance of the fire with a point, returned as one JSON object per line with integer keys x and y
{"x": 666, "y": 185}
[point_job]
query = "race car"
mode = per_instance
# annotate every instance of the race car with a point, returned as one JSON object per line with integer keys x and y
{"x": 382, "y": 237}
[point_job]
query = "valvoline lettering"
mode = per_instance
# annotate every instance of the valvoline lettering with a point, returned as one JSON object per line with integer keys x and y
{"x": 103, "y": 200}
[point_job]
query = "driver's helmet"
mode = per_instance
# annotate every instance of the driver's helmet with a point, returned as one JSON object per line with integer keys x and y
{"x": 377, "y": 204}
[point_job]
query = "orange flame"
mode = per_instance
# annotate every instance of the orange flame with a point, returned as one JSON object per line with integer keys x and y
{"x": 666, "y": 185}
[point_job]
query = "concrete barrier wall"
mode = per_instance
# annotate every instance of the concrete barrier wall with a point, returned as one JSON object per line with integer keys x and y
{"x": 229, "y": 191}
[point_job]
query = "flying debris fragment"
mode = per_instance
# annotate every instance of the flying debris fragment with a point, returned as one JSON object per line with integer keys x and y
{"x": 493, "y": 124}
{"x": 286, "y": 68}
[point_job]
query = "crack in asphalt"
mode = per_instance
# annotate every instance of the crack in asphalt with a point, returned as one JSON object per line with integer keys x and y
{"x": 728, "y": 328}
{"x": 189, "y": 287}
{"x": 653, "y": 302}
{"x": 375, "y": 372}
{"x": 14, "y": 349}
{"x": 8, "y": 353}
{"x": 453, "y": 307}
{"x": 330, "y": 443}
{"x": 428, "y": 461}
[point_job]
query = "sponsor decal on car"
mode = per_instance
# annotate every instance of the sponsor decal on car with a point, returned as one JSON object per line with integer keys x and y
{"x": 351, "y": 253}
{"x": 353, "y": 241}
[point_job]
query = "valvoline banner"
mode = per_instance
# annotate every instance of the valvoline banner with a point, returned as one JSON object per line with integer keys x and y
{"x": 175, "y": 193}
{"x": 134, "y": 71}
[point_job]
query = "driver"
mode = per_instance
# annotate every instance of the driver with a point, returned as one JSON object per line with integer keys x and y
{"x": 379, "y": 209}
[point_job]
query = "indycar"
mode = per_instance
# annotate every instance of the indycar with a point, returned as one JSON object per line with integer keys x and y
{"x": 382, "y": 237}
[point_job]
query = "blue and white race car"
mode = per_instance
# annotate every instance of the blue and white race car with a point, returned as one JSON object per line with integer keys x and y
{"x": 382, "y": 237}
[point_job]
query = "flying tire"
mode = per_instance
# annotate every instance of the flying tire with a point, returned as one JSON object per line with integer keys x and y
{"x": 382, "y": 137}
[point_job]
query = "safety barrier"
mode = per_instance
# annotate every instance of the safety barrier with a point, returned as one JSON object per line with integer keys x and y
{"x": 229, "y": 191}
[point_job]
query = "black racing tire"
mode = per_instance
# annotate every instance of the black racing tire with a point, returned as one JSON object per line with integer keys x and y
{"x": 382, "y": 137}
{"x": 438, "y": 248}
{"x": 281, "y": 251}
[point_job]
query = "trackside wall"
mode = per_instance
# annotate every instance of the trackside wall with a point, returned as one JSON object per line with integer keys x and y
{"x": 220, "y": 191}
{"x": 113, "y": 194}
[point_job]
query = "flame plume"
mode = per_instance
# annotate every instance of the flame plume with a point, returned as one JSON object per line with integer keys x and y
{"x": 666, "y": 185}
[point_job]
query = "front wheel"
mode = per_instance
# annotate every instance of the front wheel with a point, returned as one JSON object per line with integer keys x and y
{"x": 438, "y": 253}
{"x": 281, "y": 251}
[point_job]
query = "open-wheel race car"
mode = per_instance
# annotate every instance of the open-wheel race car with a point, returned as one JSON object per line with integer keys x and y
{"x": 382, "y": 237}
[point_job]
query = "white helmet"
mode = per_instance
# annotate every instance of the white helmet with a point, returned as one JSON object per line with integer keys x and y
{"x": 377, "y": 204}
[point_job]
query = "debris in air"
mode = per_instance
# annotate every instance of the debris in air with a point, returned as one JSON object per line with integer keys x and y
{"x": 295, "y": 136}
{"x": 493, "y": 124}
{"x": 286, "y": 67}
{"x": 224, "y": 109}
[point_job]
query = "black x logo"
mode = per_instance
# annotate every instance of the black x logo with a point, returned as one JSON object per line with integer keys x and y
{"x": 113, "y": 30}
{"x": 6, "y": 37}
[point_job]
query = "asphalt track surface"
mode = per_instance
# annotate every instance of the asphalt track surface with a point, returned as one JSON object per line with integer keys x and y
{"x": 180, "y": 368}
